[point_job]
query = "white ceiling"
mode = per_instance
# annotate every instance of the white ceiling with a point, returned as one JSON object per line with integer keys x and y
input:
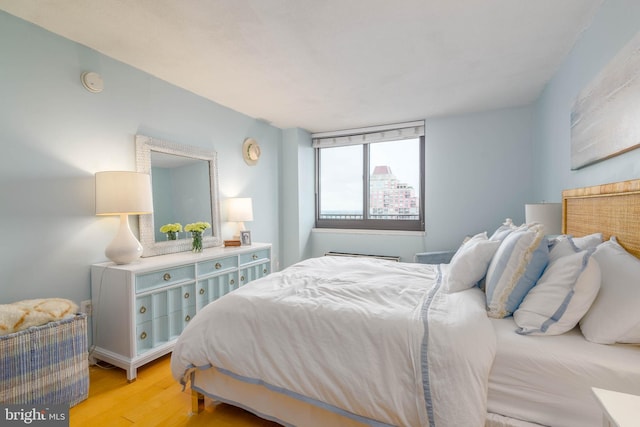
{"x": 325, "y": 65}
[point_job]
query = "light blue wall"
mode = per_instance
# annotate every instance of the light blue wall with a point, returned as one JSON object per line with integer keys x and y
{"x": 614, "y": 25}
{"x": 55, "y": 135}
{"x": 297, "y": 201}
{"x": 479, "y": 172}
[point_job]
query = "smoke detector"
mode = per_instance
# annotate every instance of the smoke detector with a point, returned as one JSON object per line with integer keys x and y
{"x": 92, "y": 81}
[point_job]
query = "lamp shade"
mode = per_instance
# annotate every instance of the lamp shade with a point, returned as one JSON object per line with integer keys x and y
{"x": 547, "y": 214}
{"x": 119, "y": 192}
{"x": 240, "y": 209}
{"x": 124, "y": 194}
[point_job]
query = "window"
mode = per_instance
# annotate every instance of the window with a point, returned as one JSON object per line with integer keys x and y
{"x": 371, "y": 178}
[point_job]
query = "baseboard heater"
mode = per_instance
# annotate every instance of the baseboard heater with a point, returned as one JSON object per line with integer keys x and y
{"x": 387, "y": 257}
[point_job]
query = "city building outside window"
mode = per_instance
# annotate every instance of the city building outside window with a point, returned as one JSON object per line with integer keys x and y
{"x": 371, "y": 178}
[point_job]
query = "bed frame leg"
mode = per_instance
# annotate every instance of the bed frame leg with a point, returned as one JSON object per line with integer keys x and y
{"x": 197, "y": 402}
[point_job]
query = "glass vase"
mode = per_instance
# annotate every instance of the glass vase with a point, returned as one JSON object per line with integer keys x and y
{"x": 196, "y": 242}
{"x": 172, "y": 235}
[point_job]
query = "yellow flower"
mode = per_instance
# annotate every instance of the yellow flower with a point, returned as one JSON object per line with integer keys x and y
{"x": 167, "y": 228}
{"x": 197, "y": 226}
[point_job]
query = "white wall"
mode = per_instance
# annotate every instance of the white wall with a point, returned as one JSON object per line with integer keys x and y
{"x": 614, "y": 25}
{"x": 55, "y": 135}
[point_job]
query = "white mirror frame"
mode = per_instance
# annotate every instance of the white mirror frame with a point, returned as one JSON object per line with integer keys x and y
{"x": 144, "y": 146}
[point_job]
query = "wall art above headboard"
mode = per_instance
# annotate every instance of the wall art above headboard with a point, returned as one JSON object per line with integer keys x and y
{"x": 604, "y": 118}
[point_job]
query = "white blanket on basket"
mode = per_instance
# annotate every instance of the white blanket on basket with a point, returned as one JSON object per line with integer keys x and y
{"x": 373, "y": 340}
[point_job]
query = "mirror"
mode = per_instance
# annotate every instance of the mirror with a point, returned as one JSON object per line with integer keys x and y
{"x": 185, "y": 190}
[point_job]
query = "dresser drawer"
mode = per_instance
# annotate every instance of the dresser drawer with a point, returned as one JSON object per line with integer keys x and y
{"x": 144, "y": 309}
{"x": 181, "y": 296}
{"x": 255, "y": 256}
{"x": 151, "y": 306}
{"x": 144, "y": 338}
{"x": 178, "y": 320}
{"x": 213, "y": 287}
{"x": 253, "y": 272}
{"x": 167, "y": 277}
{"x": 217, "y": 265}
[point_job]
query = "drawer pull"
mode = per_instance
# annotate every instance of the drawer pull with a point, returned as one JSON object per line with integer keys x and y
{"x": 201, "y": 291}
{"x": 264, "y": 271}
{"x": 255, "y": 256}
{"x": 143, "y": 335}
{"x": 186, "y": 319}
{"x": 166, "y": 277}
{"x": 218, "y": 266}
{"x": 143, "y": 309}
{"x": 242, "y": 278}
{"x": 232, "y": 282}
{"x": 186, "y": 295}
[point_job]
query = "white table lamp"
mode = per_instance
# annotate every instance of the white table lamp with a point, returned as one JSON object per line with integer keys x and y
{"x": 547, "y": 214}
{"x": 124, "y": 194}
{"x": 239, "y": 209}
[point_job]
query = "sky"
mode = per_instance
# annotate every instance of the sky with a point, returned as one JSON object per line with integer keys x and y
{"x": 341, "y": 171}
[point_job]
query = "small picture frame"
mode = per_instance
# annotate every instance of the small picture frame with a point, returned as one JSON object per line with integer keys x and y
{"x": 245, "y": 237}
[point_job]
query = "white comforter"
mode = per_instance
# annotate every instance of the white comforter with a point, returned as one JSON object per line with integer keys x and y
{"x": 370, "y": 339}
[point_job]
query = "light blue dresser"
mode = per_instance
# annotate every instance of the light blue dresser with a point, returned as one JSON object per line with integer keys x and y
{"x": 140, "y": 309}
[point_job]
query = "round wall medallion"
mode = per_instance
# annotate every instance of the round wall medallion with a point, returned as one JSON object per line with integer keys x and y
{"x": 250, "y": 151}
{"x": 92, "y": 81}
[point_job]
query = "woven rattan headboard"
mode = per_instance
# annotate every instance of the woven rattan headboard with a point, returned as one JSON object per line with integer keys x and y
{"x": 611, "y": 209}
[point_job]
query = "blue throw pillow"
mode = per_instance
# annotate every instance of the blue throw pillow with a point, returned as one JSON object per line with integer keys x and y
{"x": 514, "y": 270}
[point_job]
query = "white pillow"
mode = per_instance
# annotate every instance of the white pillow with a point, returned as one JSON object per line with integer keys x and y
{"x": 514, "y": 269}
{"x": 504, "y": 230}
{"x": 588, "y": 242}
{"x": 578, "y": 243}
{"x": 562, "y": 247}
{"x": 614, "y": 316}
{"x": 561, "y": 297}
{"x": 470, "y": 262}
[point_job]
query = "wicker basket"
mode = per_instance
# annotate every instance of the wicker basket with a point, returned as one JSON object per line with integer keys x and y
{"x": 46, "y": 364}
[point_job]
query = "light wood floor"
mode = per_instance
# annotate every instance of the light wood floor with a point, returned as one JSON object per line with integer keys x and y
{"x": 153, "y": 399}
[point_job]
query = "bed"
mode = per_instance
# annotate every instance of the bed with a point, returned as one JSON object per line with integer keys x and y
{"x": 372, "y": 342}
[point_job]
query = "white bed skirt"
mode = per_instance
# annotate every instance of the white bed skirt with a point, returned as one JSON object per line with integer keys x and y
{"x": 265, "y": 403}
{"x": 287, "y": 410}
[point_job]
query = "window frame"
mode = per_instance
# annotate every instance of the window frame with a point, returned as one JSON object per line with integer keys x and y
{"x": 367, "y": 223}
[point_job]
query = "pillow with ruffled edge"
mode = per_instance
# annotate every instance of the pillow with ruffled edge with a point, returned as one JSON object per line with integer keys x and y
{"x": 614, "y": 316}
{"x": 515, "y": 269}
{"x": 470, "y": 263}
{"x": 561, "y": 297}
